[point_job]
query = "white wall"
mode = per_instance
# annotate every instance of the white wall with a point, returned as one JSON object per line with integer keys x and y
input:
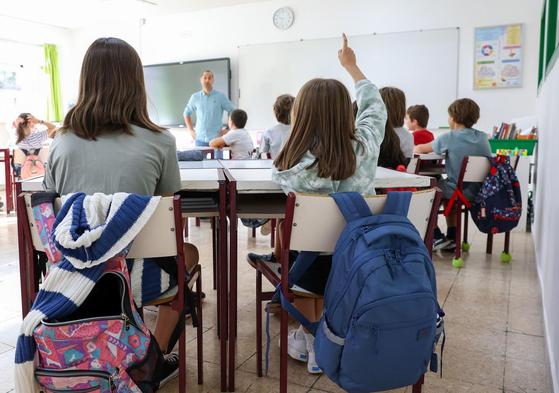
{"x": 219, "y": 32}
{"x": 546, "y": 225}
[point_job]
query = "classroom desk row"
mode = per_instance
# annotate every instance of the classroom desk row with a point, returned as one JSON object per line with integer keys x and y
{"x": 229, "y": 190}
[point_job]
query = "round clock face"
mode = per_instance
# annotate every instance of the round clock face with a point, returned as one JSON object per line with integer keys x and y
{"x": 283, "y": 18}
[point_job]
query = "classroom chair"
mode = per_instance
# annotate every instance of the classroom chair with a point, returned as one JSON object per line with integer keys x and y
{"x": 474, "y": 169}
{"x": 160, "y": 237}
{"x": 413, "y": 166}
{"x": 314, "y": 223}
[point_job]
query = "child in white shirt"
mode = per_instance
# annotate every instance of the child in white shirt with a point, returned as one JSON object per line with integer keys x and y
{"x": 238, "y": 139}
{"x": 273, "y": 138}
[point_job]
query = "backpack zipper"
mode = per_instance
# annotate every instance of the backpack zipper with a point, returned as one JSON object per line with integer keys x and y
{"x": 366, "y": 307}
{"x": 373, "y": 256}
{"x": 78, "y": 373}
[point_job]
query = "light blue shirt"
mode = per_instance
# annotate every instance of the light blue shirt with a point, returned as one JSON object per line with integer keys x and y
{"x": 457, "y": 144}
{"x": 209, "y": 112}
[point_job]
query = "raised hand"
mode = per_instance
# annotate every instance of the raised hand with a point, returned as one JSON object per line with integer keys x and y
{"x": 348, "y": 61}
{"x": 346, "y": 55}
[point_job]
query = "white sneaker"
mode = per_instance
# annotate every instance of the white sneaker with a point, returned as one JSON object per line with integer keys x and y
{"x": 297, "y": 345}
{"x": 441, "y": 244}
{"x": 312, "y": 367}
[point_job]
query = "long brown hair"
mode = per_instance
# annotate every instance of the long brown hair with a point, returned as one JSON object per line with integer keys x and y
{"x": 395, "y": 101}
{"x": 21, "y": 126}
{"x": 391, "y": 155}
{"x": 322, "y": 123}
{"x": 112, "y": 93}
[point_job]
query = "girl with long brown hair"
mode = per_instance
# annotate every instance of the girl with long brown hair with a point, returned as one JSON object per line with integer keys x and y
{"x": 328, "y": 150}
{"x": 108, "y": 144}
{"x": 395, "y": 101}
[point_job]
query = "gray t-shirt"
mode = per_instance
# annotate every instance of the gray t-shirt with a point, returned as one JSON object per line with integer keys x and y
{"x": 273, "y": 139}
{"x": 240, "y": 142}
{"x": 144, "y": 163}
{"x": 457, "y": 144}
{"x": 406, "y": 141}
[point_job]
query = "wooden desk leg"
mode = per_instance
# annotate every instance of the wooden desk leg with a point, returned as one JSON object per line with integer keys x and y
{"x": 222, "y": 284}
{"x": 232, "y": 287}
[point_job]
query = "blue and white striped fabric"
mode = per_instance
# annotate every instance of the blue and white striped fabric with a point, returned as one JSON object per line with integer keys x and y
{"x": 88, "y": 231}
{"x": 152, "y": 278}
{"x": 34, "y": 141}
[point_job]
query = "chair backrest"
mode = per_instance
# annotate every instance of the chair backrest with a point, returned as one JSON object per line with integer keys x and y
{"x": 476, "y": 169}
{"x": 35, "y": 238}
{"x": 413, "y": 166}
{"x": 156, "y": 239}
{"x": 318, "y": 223}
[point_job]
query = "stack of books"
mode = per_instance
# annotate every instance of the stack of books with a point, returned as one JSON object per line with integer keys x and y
{"x": 510, "y": 131}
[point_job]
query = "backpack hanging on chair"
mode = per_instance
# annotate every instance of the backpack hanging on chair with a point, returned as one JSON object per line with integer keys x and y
{"x": 32, "y": 166}
{"x": 381, "y": 317}
{"x": 103, "y": 346}
{"x": 498, "y": 206}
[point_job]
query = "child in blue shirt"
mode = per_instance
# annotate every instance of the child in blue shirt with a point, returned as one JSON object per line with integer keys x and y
{"x": 461, "y": 141}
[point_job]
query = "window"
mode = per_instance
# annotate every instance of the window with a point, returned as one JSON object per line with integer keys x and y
{"x": 23, "y": 84}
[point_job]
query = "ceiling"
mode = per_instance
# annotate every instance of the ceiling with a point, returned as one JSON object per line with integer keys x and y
{"x": 72, "y": 14}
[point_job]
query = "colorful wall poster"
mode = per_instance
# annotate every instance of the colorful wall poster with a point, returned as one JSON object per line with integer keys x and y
{"x": 498, "y": 56}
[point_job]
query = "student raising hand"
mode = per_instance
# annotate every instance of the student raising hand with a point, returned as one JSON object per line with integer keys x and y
{"x": 347, "y": 58}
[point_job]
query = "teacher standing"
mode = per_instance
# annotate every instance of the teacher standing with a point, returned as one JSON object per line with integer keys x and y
{"x": 208, "y": 104}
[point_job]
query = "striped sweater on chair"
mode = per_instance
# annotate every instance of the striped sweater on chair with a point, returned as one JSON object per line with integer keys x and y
{"x": 88, "y": 231}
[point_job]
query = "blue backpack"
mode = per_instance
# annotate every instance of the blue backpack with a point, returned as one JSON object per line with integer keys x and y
{"x": 498, "y": 205}
{"x": 378, "y": 329}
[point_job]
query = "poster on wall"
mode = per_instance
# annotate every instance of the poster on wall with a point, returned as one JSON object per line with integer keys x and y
{"x": 10, "y": 77}
{"x": 498, "y": 57}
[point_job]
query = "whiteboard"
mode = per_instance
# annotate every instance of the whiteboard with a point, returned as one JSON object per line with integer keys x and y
{"x": 424, "y": 64}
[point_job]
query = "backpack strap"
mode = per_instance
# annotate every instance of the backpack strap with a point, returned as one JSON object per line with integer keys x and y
{"x": 352, "y": 205}
{"x": 398, "y": 203}
{"x": 303, "y": 262}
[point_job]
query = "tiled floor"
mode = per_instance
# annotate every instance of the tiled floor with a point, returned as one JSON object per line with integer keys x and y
{"x": 494, "y": 322}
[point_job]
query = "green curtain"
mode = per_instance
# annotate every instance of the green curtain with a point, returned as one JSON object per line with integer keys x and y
{"x": 54, "y": 103}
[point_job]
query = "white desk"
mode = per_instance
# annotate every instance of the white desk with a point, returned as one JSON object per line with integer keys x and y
{"x": 33, "y": 184}
{"x": 430, "y": 157}
{"x": 247, "y": 164}
{"x": 200, "y": 179}
{"x": 389, "y": 178}
{"x": 205, "y": 164}
{"x": 255, "y": 181}
{"x": 260, "y": 180}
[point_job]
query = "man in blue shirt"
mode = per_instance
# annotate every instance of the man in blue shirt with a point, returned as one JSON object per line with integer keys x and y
{"x": 208, "y": 104}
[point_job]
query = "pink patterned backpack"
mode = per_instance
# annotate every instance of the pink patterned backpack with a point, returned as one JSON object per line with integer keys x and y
{"x": 104, "y": 346}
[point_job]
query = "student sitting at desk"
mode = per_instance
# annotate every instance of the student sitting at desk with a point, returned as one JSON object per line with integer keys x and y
{"x": 460, "y": 142}
{"x": 30, "y": 137}
{"x": 273, "y": 138}
{"x": 417, "y": 118}
{"x": 238, "y": 139}
{"x": 390, "y": 155}
{"x": 108, "y": 144}
{"x": 328, "y": 150}
{"x": 395, "y": 101}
